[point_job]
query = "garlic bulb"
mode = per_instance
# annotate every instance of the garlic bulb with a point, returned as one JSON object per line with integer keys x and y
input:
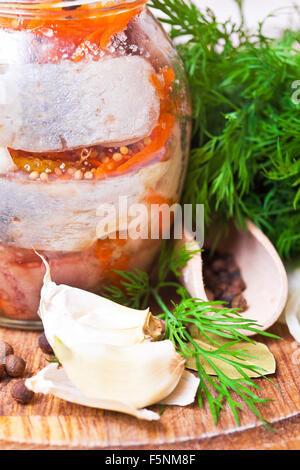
{"x": 109, "y": 354}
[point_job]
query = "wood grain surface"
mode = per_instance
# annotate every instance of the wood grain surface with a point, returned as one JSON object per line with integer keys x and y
{"x": 50, "y": 423}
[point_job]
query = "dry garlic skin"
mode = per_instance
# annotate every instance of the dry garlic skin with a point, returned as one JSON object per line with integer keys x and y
{"x": 141, "y": 374}
{"x": 96, "y": 109}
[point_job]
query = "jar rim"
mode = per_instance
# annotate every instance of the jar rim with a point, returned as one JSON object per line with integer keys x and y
{"x": 62, "y": 8}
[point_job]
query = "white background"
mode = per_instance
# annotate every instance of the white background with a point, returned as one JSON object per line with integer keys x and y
{"x": 255, "y": 11}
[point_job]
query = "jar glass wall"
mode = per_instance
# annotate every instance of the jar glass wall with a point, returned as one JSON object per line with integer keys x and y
{"x": 94, "y": 108}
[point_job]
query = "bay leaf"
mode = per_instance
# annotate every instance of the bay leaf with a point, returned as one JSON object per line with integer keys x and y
{"x": 261, "y": 356}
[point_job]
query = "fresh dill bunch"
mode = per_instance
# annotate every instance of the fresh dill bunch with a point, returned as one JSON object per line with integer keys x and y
{"x": 244, "y": 160}
{"x": 209, "y": 318}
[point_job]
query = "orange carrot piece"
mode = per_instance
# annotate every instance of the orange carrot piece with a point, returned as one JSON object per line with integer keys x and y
{"x": 80, "y": 34}
{"x": 159, "y": 139}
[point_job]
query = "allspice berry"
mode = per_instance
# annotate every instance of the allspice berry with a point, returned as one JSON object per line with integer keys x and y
{"x": 3, "y": 374}
{"x": 15, "y": 365}
{"x": 21, "y": 393}
{"x": 239, "y": 301}
{"x": 5, "y": 350}
{"x": 44, "y": 345}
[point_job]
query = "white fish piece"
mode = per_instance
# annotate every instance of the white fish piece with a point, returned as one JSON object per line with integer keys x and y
{"x": 53, "y": 380}
{"x": 60, "y": 215}
{"x": 53, "y": 107}
{"x": 75, "y": 316}
{"x": 64, "y": 215}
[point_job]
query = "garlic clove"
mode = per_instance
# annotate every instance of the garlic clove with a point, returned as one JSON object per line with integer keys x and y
{"x": 144, "y": 373}
{"x": 54, "y": 380}
{"x": 292, "y": 314}
{"x": 293, "y": 274}
{"x": 72, "y": 314}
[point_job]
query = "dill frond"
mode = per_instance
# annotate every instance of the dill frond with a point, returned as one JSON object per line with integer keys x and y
{"x": 244, "y": 160}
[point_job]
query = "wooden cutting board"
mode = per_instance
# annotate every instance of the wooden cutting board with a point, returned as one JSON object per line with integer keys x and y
{"x": 50, "y": 423}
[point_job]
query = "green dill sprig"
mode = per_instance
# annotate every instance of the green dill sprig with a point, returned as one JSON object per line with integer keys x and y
{"x": 209, "y": 318}
{"x": 220, "y": 323}
{"x": 135, "y": 291}
{"x": 53, "y": 360}
{"x": 245, "y": 160}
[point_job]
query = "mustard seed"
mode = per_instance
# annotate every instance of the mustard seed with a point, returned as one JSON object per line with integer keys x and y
{"x": 117, "y": 157}
{"x": 124, "y": 150}
{"x": 44, "y": 177}
{"x": 34, "y": 175}
{"x": 78, "y": 175}
{"x": 88, "y": 175}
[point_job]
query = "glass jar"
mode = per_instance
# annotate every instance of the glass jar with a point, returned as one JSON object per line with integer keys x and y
{"x": 94, "y": 110}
